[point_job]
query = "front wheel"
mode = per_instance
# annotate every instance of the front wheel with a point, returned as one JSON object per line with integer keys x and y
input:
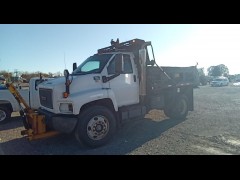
{"x": 180, "y": 108}
{"x": 96, "y": 126}
{"x": 5, "y": 115}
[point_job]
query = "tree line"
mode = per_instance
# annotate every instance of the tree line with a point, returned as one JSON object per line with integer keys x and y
{"x": 213, "y": 71}
{"x": 219, "y": 70}
{"x": 26, "y": 76}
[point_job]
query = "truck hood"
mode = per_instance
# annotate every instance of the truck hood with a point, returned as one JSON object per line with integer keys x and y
{"x": 79, "y": 83}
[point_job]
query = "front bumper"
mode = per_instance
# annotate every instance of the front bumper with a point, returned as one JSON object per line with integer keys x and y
{"x": 59, "y": 122}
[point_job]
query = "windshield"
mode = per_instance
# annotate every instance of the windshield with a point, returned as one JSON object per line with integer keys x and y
{"x": 93, "y": 64}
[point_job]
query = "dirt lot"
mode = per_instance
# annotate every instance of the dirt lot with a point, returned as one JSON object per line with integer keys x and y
{"x": 213, "y": 128}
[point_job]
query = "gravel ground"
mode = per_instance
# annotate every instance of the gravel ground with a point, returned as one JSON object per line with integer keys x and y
{"x": 212, "y": 128}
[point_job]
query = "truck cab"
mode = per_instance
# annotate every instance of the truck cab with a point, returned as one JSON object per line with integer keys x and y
{"x": 117, "y": 83}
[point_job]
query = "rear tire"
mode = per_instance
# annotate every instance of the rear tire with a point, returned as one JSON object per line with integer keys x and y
{"x": 96, "y": 126}
{"x": 167, "y": 112}
{"x": 180, "y": 108}
{"x": 5, "y": 115}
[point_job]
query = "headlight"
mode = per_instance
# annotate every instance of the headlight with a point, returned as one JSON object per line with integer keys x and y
{"x": 66, "y": 108}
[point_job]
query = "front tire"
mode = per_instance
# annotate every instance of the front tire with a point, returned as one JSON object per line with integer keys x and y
{"x": 96, "y": 126}
{"x": 5, "y": 115}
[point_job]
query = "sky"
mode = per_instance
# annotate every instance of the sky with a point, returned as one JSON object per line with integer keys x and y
{"x": 54, "y": 47}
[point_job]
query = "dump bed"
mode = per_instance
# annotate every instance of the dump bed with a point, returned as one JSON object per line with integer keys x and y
{"x": 179, "y": 76}
{"x": 159, "y": 86}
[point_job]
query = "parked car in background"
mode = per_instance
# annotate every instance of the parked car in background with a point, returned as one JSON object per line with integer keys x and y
{"x": 3, "y": 86}
{"x": 236, "y": 84}
{"x": 220, "y": 81}
{"x": 2, "y": 80}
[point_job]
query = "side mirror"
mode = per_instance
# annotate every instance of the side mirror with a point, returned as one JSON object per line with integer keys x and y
{"x": 66, "y": 73}
{"x": 37, "y": 82}
{"x": 74, "y": 66}
{"x": 118, "y": 64}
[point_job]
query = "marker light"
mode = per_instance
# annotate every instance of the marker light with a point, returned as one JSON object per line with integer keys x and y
{"x": 65, "y": 95}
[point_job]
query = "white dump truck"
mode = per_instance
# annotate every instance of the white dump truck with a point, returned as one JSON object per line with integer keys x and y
{"x": 118, "y": 83}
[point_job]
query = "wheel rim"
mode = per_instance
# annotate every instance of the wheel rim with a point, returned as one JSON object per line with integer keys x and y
{"x": 3, "y": 115}
{"x": 97, "y": 127}
{"x": 182, "y": 107}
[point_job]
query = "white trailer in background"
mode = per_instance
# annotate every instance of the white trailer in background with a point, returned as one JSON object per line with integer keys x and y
{"x": 9, "y": 104}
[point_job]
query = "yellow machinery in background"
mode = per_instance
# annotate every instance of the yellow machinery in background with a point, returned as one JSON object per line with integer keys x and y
{"x": 34, "y": 123}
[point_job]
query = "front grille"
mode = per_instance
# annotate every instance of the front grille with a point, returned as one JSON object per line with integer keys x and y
{"x": 45, "y": 96}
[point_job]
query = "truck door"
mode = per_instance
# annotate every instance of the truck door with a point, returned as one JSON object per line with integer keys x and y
{"x": 126, "y": 85}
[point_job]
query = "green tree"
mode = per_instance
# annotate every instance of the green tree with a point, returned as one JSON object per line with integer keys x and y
{"x": 202, "y": 77}
{"x": 50, "y": 74}
{"x": 219, "y": 70}
{"x": 26, "y": 75}
{"x": 201, "y": 71}
{"x": 6, "y": 75}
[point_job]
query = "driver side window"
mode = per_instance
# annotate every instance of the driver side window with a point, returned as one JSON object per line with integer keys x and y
{"x": 127, "y": 65}
{"x": 111, "y": 67}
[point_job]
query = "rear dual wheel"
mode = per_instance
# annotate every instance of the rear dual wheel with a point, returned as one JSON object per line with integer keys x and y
{"x": 179, "y": 108}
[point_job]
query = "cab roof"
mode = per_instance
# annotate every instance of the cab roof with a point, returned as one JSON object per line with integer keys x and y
{"x": 128, "y": 46}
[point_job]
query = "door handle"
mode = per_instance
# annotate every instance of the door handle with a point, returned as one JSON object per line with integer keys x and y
{"x": 134, "y": 78}
{"x": 106, "y": 79}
